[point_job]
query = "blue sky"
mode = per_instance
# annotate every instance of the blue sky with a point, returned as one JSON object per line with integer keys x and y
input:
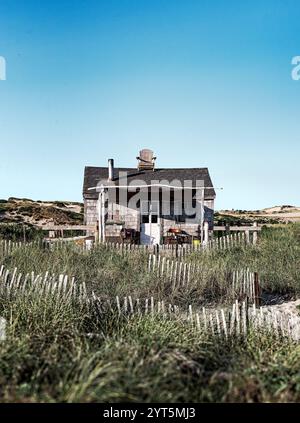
{"x": 202, "y": 83}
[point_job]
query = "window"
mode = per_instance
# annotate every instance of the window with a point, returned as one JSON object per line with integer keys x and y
{"x": 145, "y": 218}
{"x": 149, "y": 211}
{"x": 154, "y": 218}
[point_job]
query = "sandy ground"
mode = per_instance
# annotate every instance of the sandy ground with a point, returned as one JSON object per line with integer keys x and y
{"x": 289, "y": 307}
{"x": 287, "y": 214}
{"x": 289, "y": 312}
{"x": 286, "y": 307}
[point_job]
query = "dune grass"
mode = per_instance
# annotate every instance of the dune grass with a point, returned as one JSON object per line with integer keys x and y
{"x": 276, "y": 258}
{"x": 58, "y": 350}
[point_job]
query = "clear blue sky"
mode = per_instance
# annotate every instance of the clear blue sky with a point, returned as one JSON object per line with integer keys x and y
{"x": 202, "y": 83}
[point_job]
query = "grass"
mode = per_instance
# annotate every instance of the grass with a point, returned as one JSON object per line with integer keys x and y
{"x": 276, "y": 258}
{"x": 17, "y": 232}
{"x": 57, "y": 350}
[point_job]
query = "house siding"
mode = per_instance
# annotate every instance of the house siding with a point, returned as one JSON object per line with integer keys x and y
{"x": 90, "y": 212}
{"x": 130, "y": 218}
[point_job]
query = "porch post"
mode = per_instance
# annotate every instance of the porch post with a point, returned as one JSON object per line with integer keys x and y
{"x": 202, "y": 216}
{"x": 99, "y": 218}
{"x": 101, "y": 215}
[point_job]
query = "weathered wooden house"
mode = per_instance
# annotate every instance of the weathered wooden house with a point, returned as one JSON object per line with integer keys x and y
{"x": 148, "y": 200}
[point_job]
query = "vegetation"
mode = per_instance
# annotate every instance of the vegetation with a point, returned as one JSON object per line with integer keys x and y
{"x": 20, "y": 232}
{"x": 276, "y": 258}
{"x": 58, "y": 350}
{"x": 18, "y": 211}
{"x": 242, "y": 217}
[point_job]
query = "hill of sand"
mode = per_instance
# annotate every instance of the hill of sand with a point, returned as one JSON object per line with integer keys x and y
{"x": 276, "y": 214}
{"x": 39, "y": 213}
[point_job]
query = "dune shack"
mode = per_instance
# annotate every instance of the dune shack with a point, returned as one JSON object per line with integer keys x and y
{"x": 148, "y": 204}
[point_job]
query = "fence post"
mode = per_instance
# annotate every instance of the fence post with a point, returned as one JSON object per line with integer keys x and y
{"x": 247, "y": 233}
{"x": 255, "y": 234}
{"x": 206, "y": 233}
{"x": 227, "y": 228}
{"x": 256, "y": 289}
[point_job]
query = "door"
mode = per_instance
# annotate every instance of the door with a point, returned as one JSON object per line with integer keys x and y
{"x": 150, "y": 223}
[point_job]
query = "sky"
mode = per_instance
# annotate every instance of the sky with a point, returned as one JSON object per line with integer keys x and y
{"x": 201, "y": 83}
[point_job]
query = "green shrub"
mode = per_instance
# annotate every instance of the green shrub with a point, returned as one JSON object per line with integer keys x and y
{"x": 19, "y": 232}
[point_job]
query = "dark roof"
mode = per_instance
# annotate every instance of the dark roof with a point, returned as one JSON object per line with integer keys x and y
{"x": 92, "y": 175}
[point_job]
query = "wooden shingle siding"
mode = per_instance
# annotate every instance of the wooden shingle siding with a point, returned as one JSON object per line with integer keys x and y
{"x": 90, "y": 212}
{"x": 130, "y": 219}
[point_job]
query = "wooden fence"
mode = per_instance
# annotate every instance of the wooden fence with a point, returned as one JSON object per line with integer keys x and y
{"x": 236, "y": 320}
{"x": 232, "y": 240}
{"x": 243, "y": 283}
{"x": 172, "y": 250}
{"x": 178, "y": 273}
{"x": 14, "y": 282}
{"x": 7, "y": 247}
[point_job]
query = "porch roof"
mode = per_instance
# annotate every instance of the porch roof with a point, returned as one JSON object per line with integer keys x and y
{"x": 93, "y": 175}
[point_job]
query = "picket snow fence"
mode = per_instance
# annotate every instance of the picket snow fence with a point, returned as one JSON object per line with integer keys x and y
{"x": 234, "y": 321}
{"x": 226, "y": 322}
{"x": 231, "y": 240}
{"x": 180, "y": 250}
{"x": 243, "y": 284}
{"x": 12, "y": 282}
{"x": 170, "y": 250}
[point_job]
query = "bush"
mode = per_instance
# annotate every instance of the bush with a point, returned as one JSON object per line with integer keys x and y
{"x": 19, "y": 232}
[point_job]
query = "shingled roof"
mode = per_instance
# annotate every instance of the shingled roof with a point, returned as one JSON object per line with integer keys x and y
{"x": 92, "y": 175}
